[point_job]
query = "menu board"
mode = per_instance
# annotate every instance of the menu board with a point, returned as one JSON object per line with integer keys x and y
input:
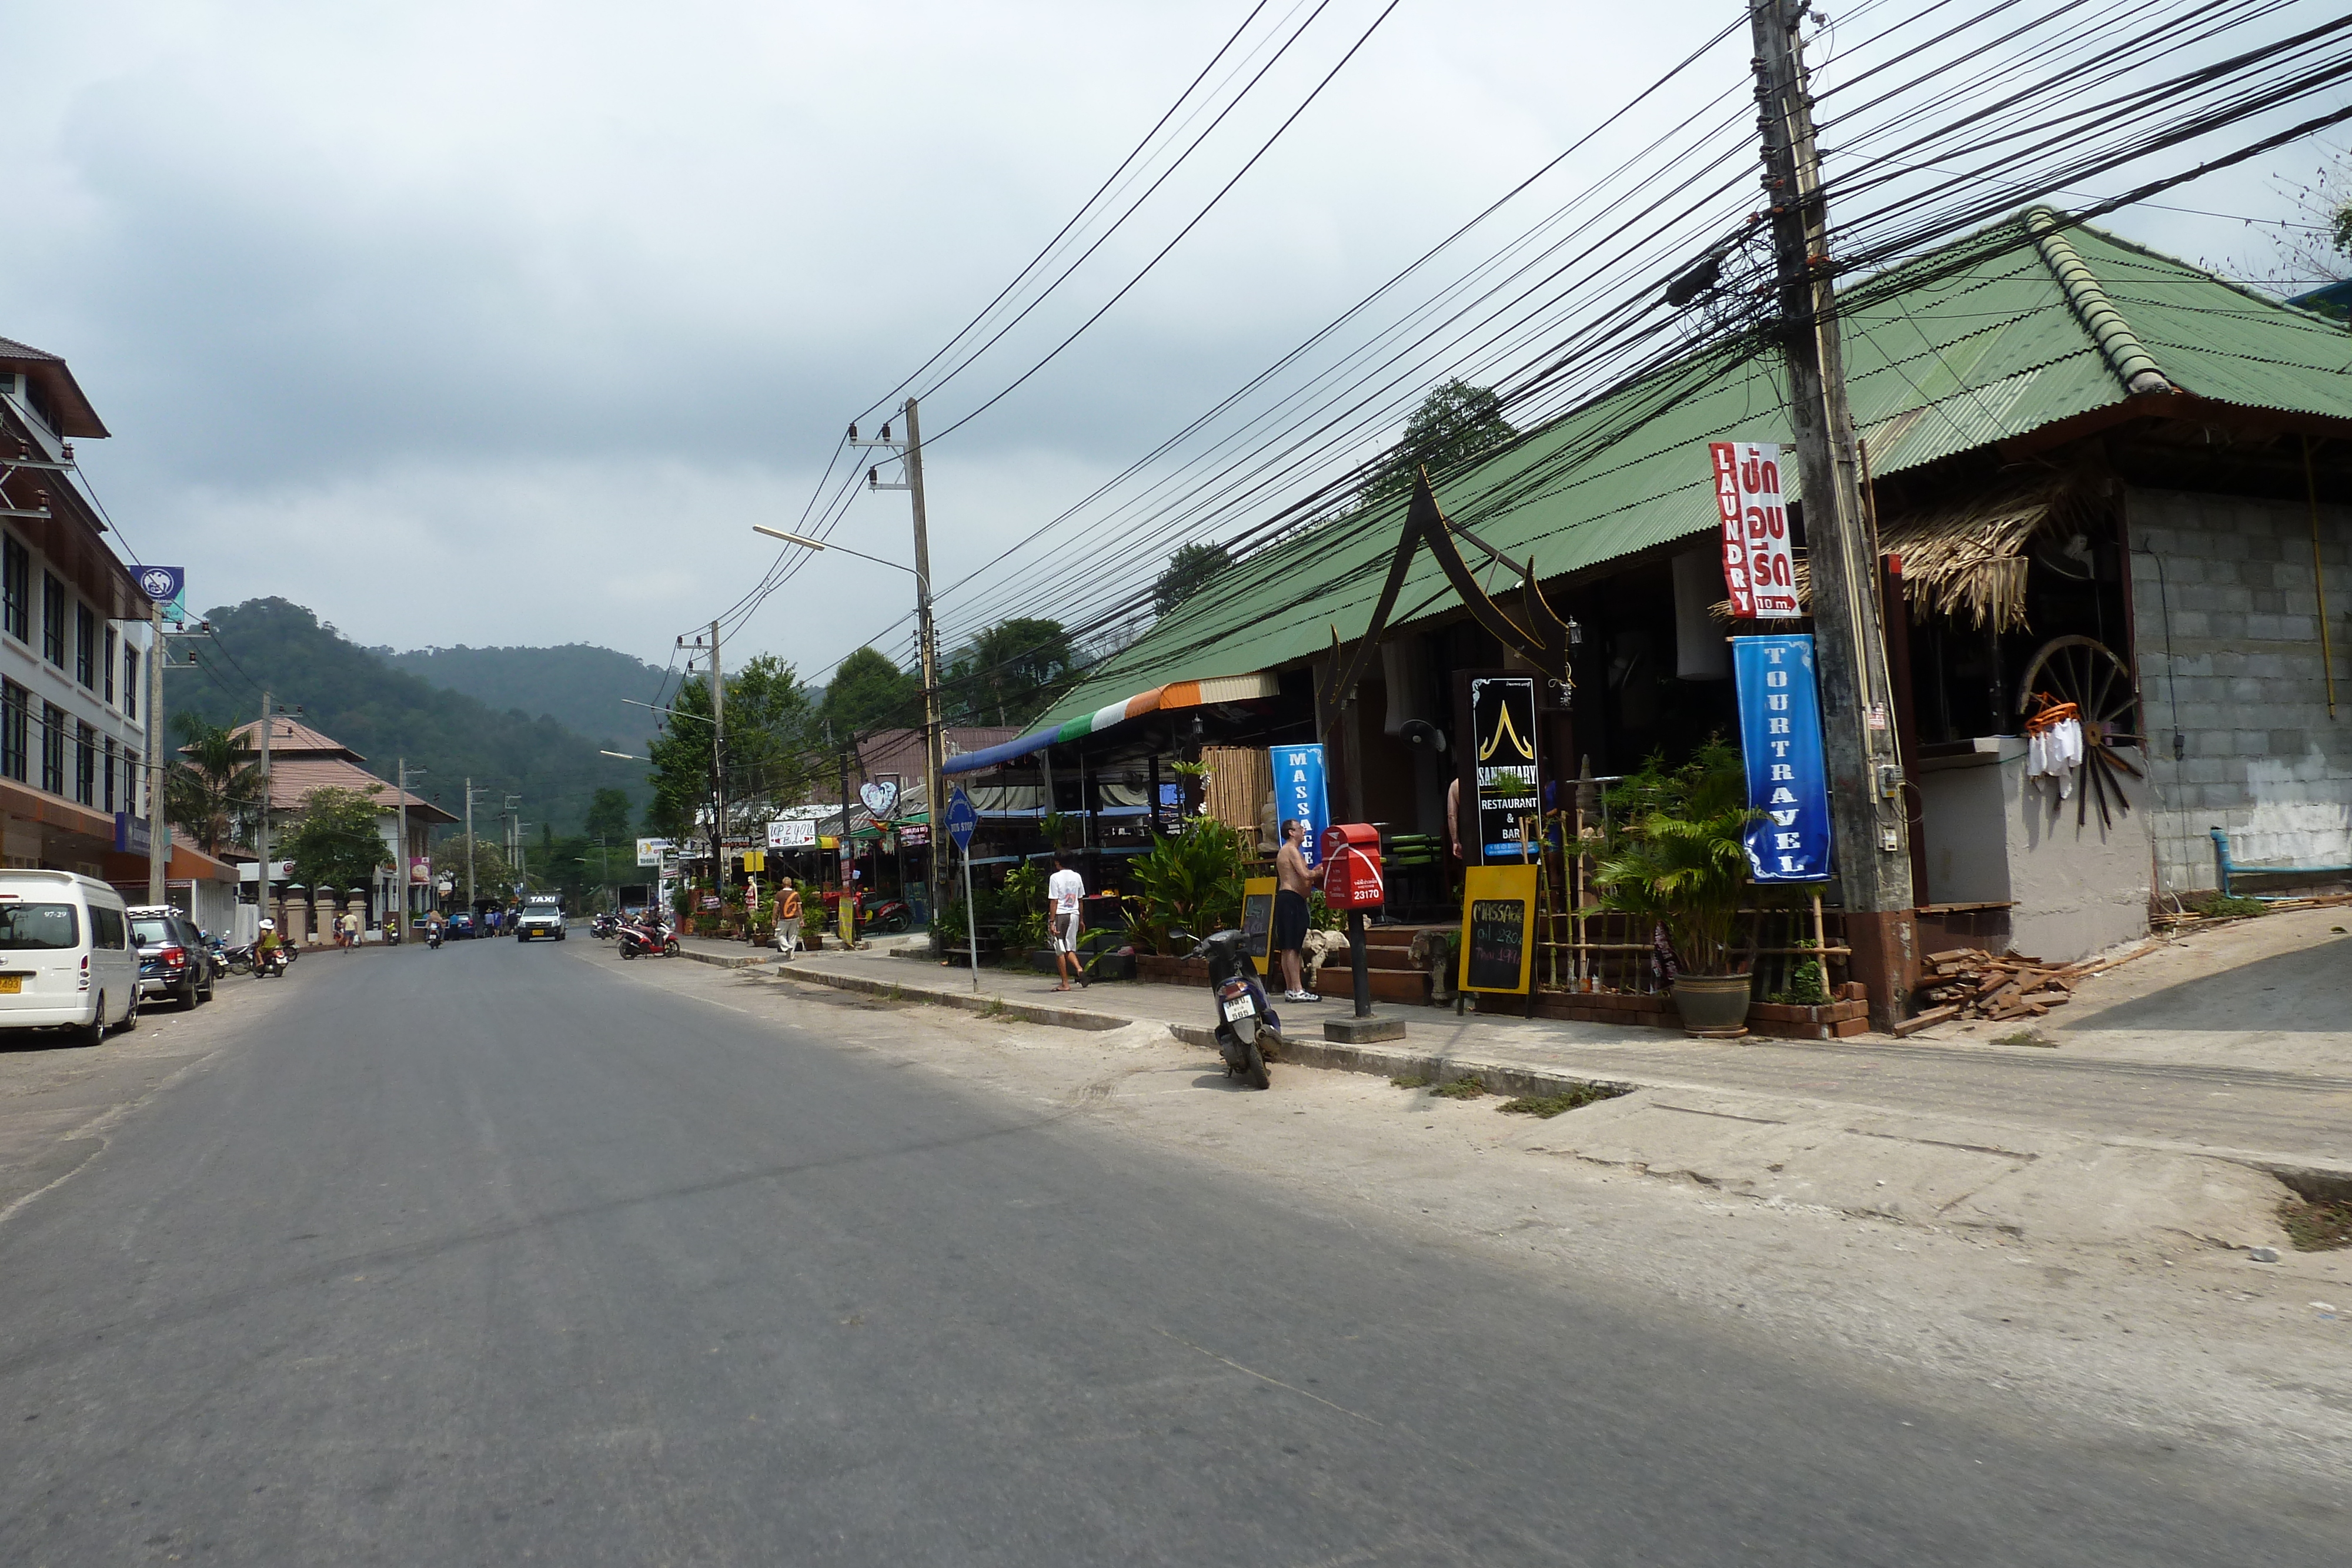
{"x": 1257, "y": 918}
{"x": 1498, "y": 907}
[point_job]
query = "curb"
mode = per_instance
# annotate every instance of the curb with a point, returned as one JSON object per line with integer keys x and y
{"x": 1395, "y": 1062}
{"x": 987, "y": 1006}
{"x": 720, "y": 960}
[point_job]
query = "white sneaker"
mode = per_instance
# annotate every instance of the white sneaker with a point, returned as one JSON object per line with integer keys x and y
{"x": 1300, "y": 997}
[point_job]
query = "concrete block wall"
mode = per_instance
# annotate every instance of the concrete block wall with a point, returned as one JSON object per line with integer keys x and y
{"x": 2226, "y": 612}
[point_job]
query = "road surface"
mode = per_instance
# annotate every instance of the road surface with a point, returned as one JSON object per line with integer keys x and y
{"x": 507, "y": 1254}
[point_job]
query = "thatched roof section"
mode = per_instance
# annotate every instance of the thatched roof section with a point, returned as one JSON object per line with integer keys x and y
{"x": 1966, "y": 559}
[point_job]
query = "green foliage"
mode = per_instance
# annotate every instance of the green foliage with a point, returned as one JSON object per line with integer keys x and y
{"x": 335, "y": 843}
{"x": 1544, "y": 1107}
{"x": 1187, "y": 572}
{"x": 578, "y": 685}
{"x": 868, "y": 691}
{"x": 1469, "y": 1088}
{"x": 1678, "y": 855}
{"x": 1010, "y": 672}
{"x": 492, "y": 876}
{"x": 1453, "y": 424}
{"x": 608, "y": 817}
{"x": 1807, "y": 987}
{"x": 383, "y": 714}
{"x": 2213, "y": 906}
{"x": 1190, "y": 879}
{"x": 213, "y": 793}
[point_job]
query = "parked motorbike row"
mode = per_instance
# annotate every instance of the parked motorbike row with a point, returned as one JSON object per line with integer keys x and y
{"x": 644, "y": 934}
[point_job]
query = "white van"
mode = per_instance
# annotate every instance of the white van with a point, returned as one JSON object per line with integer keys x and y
{"x": 66, "y": 956}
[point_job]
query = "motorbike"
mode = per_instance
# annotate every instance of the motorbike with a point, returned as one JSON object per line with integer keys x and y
{"x": 433, "y": 938}
{"x": 890, "y": 915}
{"x": 604, "y": 927}
{"x": 238, "y": 960}
{"x": 649, "y": 935}
{"x": 1247, "y": 1026}
{"x": 279, "y": 959}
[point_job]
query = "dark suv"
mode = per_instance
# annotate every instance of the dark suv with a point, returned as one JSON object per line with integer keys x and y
{"x": 174, "y": 959}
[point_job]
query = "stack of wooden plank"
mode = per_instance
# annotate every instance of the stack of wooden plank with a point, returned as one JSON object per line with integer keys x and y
{"x": 1970, "y": 983}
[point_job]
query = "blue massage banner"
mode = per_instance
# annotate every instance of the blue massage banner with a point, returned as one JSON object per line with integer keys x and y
{"x": 1781, "y": 739}
{"x": 1298, "y": 792}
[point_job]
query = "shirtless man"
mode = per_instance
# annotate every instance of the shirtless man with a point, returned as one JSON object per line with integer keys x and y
{"x": 1290, "y": 870}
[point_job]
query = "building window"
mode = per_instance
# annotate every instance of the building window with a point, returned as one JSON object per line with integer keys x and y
{"x": 107, "y": 777}
{"x": 53, "y": 748}
{"x": 17, "y": 579}
{"x": 130, "y": 681}
{"x": 15, "y": 701}
{"x": 85, "y": 765}
{"x": 107, "y": 663}
{"x": 86, "y": 646}
{"x": 130, "y": 784}
{"x": 53, "y": 620}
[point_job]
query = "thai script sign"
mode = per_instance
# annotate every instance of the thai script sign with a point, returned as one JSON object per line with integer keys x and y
{"x": 1758, "y": 566}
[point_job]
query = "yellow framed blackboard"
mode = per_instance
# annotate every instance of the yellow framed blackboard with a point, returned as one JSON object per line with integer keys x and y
{"x": 1499, "y": 928}
{"x": 1257, "y": 918}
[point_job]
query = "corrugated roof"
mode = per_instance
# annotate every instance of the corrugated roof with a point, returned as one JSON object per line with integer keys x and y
{"x": 289, "y": 738}
{"x": 293, "y": 778}
{"x": 1976, "y": 343}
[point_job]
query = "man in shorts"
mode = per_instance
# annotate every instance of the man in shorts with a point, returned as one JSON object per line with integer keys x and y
{"x": 1293, "y": 878}
{"x": 788, "y": 917}
{"x": 1063, "y": 889}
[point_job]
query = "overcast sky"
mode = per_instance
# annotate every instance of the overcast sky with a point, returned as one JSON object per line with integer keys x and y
{"x": 502, "y": 322}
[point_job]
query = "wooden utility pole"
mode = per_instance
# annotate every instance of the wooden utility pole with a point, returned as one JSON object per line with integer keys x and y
{"x": 934, "y": 738}
{"x": 1857, "y": 697}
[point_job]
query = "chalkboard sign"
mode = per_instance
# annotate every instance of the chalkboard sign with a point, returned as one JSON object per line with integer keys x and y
{"x": 1257, "y": 918}
{"x": 1497, "y": 927}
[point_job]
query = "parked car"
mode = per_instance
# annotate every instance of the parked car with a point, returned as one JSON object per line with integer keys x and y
{"x": 460, "y": 928}
{"x": 65, "y": 958}
{"x": 174, "y": 959}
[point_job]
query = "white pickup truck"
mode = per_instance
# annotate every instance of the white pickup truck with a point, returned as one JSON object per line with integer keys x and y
{"x": 540, "y": 917}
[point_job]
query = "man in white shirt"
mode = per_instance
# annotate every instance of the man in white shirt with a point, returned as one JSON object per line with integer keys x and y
{"x": 1063, "y": 889}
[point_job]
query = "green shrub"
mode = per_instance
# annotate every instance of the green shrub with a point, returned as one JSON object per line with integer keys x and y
{"x": 1190, "y": 879}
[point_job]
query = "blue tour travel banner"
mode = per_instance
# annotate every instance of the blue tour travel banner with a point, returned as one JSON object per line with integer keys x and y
{"x": 1781, "y": 739}
{"x": 1298, "y": 792}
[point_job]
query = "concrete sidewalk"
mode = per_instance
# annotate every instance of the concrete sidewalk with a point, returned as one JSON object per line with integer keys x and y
{"x": 2296, "y": 1124}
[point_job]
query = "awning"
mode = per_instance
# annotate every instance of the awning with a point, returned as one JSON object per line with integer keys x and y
{"x": 1175, "y": 695}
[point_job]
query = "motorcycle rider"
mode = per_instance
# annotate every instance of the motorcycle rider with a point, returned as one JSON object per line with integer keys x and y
{"x": 265, "y": 947}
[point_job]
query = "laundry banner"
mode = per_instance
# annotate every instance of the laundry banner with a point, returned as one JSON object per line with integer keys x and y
{"x": 1781, "y": 738}
{"x": 1759, "y": 568}
{"x": 1503, "y": 727}
{"x": 1298, "y": 791}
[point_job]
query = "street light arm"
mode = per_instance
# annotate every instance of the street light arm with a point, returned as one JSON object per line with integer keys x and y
{"x": 807, "y": 543}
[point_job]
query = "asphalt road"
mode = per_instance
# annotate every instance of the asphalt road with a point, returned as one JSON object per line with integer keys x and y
{"x": 500, "y": 1255}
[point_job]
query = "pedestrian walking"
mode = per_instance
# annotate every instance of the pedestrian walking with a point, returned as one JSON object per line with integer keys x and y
{"x": 788, "y": 918}
{"x": 1290, "y": 911}
{"x": 1063, "y": 889}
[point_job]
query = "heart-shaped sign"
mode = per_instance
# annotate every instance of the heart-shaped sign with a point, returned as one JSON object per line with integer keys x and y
{"x": 880, "y": 795}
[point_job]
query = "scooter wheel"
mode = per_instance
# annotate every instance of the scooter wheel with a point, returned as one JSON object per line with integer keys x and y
{"x": 1256, "y": 1076}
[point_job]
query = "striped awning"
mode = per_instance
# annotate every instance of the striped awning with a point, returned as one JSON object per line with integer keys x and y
{"x": 1174, "y": 694}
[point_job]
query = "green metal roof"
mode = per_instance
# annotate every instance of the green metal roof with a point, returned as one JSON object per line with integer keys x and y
{"x": 1978, "y": 343}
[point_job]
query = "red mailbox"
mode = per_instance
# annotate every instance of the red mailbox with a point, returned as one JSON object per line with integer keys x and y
{"x": 1352, "y": 859}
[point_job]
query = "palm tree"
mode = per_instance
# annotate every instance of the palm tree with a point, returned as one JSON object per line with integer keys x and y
{"x": 211, "y": 794}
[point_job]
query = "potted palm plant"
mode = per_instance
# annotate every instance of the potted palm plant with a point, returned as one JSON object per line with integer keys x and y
{"x": 1677, "y": 858}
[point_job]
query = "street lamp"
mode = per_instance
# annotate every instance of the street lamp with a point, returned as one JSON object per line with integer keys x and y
{"x": 934, "y": 734}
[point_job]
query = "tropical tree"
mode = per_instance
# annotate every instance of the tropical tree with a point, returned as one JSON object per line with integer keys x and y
{"x": 1008, "y": 674}
{"x": 1187, "y": 572}
{"x": 1453, "y": 424}
{"x": 492, "y": 874}
{"x": 868, "y": 691}
{"x": 1678, "y": 854}
{"x": 769, "y": 742}
{"x": 335, "y": 842}
{"x": 212, "y": 795}
{"x": 608, "y": 817}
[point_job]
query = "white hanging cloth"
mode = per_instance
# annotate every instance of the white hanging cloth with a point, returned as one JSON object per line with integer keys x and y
{"x": 2055, "y": 753}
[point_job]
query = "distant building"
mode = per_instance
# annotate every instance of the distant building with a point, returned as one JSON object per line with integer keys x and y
{"x": 301, "y": 760}
{"x": 74, "y": 634}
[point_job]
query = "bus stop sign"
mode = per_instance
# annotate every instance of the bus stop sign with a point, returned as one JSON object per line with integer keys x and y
{"x": 962, "y": 819}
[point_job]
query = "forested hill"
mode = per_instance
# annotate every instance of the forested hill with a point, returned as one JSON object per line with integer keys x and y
{"x": 578, "y": 685}
{"x": 348, "y": 692}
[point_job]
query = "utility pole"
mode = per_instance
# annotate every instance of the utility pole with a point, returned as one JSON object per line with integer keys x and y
{"x": 261, "y": 828}
{"x": 718, "y": 768}
{"x": 159, "y": 827}
{"x": 470, "y": 848}
{"x": 934, "y": 737}
{"x": 400, "y": 849}
{"x": 1856, "y": 694}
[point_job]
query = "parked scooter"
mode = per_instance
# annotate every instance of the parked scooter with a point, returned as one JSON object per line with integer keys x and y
{"x": 605, "y": 926}
{"x": 647, "y": 935}
{"x": 238, "y": 960}
{"x": 1245, "y": 1024}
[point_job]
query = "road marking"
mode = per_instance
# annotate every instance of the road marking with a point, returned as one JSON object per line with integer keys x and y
{"x": 1262, "y": 1377}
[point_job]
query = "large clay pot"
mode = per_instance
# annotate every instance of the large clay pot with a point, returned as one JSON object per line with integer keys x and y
{"x": 1713, "y": 1006}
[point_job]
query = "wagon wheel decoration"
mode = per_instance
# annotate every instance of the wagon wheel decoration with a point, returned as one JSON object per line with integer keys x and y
{"x": 2082, "y": 675}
